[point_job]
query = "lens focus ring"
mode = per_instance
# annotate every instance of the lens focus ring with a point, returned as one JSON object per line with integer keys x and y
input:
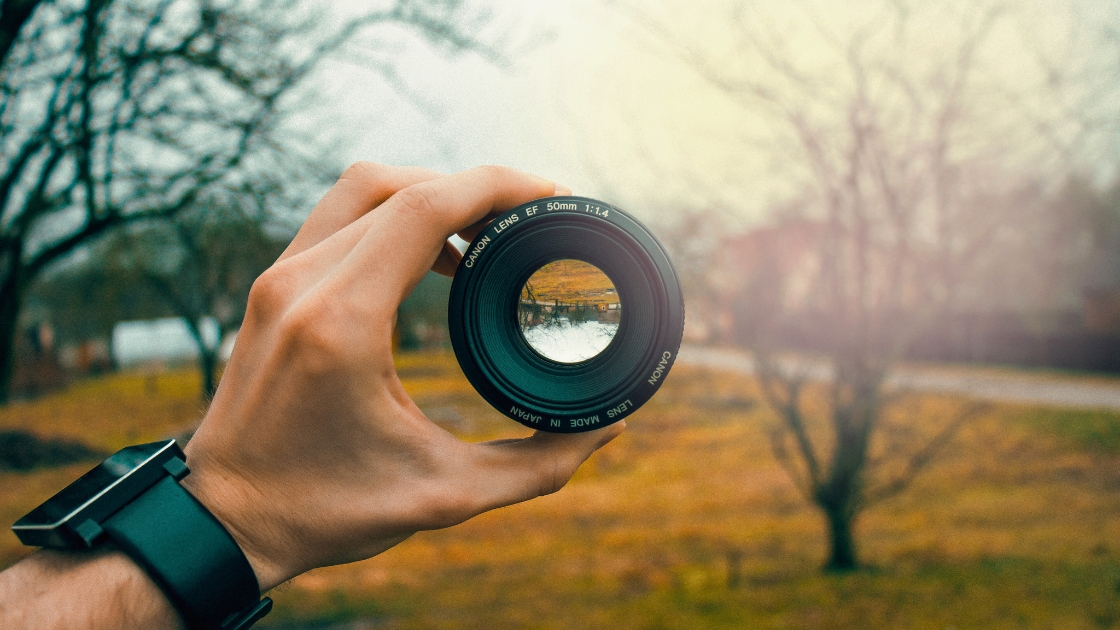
{"x": 507, "y": 372}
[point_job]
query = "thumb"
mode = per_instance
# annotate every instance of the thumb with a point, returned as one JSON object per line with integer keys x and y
{"x": 513, "y": 471}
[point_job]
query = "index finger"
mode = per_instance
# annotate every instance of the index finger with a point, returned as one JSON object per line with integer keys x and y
{"x": 448, "y": 260}
{"x": 413, "y": 224}
{"x": 361, "y": 188}
{"x": 468, "y": 233}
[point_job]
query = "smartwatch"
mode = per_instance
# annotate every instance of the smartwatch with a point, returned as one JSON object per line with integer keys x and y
{"x": 134, "y": 502}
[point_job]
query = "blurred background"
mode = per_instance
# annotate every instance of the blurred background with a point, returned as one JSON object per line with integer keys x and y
{"x": 897, "y": 225}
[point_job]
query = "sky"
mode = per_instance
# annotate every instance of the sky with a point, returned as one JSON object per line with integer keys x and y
{"x": 557, "y": 108}
{"x": 596, "y": 95}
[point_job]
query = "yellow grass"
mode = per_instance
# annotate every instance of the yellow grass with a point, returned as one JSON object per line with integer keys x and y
{"x": 571, "y": 281}
{"x": 1016, "y": 526}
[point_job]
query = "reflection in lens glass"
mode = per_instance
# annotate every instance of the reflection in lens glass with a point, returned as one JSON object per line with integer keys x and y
{"x": 569, "y": 311}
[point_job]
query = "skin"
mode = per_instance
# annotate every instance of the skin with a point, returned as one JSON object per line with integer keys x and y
{"x": 311, "y": 453}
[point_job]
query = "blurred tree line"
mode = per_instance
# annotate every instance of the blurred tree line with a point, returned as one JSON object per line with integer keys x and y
{"x": 197, "y": 266}
{"x": 147, "y": 158}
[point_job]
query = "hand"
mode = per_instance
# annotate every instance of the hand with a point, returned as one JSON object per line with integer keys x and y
{"x": 312, "y": 453}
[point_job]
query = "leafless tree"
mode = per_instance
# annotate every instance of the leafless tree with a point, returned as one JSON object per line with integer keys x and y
{"x": 119, "y": 111}
{"x": 201, "y": 264}
{"x": 907, "y": 160}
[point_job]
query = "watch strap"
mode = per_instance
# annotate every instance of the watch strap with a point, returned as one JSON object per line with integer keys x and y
{"x": 190, "y": 556}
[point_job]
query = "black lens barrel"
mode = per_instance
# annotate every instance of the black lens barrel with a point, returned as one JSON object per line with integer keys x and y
{"x": 519, "y": 382}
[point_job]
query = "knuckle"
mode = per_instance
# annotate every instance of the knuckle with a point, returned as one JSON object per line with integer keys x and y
{"x": 554, "y": 475}
{"x": 309, "y": 331}
{"x": 436, "y": 506}
{"x": 448, "y": 508}
{"x": 418, "y": 200}
{"x": 270, "y": 292}
{"x": 448, "y": 497}
{"x": 497, "y": 176}
{"x": 364, "y": 172}
{"x": 377, "y": 181}
{"x": 494, "y": 172}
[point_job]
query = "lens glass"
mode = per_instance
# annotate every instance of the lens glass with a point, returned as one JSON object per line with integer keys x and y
{"x": 569, "y": 311}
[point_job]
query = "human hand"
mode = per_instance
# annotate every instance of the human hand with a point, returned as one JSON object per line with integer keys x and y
{"x": 312, "y": 453}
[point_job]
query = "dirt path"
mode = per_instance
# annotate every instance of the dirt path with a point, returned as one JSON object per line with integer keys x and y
{"x": 1002, "y": 384}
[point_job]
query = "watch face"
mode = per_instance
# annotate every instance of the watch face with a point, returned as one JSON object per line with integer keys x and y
{"x": 100, "y": 491}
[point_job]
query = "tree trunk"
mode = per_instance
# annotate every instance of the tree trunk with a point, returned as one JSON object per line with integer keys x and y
{"x": 207, "y": 356}
{"x": 9, "y": 318}
{"x": 13, "y": 15}
{"x": 208, "y": 364}
{"x": 842, "y": 548}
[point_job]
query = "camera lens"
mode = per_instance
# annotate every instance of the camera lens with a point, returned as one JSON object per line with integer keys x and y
{"x": 569, "y": 311}
{"x": 566, "y": 314}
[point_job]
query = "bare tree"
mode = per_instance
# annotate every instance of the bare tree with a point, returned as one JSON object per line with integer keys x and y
{"x": 119, "y": 111}
{"x": 201, "y": 264}
{"x": 907, "y": 172}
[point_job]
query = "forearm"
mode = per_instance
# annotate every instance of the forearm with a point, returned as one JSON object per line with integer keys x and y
{"x": 81, "y": 590}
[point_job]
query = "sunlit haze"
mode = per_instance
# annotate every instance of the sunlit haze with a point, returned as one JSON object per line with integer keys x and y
{"x": 596, "y": 94}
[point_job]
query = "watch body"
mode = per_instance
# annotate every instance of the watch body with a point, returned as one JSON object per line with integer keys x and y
{"x": 133, "y": 500}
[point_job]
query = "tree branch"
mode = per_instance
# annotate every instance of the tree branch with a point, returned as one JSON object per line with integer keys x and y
{"x": 13, "y": 15}
{"x": 789, "y": 412}
{"x": 803, "y": 484}
{"x": 922, "y": 457}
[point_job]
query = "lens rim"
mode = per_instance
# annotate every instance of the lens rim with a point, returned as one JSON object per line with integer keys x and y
{"x": 517, "y": 380}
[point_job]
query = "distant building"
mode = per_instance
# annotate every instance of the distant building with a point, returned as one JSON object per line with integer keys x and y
{"x": 777, "y": 262}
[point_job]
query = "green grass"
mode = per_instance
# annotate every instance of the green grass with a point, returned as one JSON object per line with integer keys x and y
{"x": 1015, "y": 525}
{"x": 1091, "y": 429}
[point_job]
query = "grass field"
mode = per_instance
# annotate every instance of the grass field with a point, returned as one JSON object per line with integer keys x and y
{"x": 686, "y": 521}
{"x": 570, "y": 281}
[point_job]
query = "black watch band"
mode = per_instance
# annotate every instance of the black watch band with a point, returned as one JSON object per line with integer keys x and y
{"x": 190, "y": 556}
{"x": 134, "y": 500}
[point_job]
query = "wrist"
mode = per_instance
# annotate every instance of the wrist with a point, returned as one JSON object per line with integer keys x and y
{"x": 237, "y": 507}
{"x": 133, "y": 502}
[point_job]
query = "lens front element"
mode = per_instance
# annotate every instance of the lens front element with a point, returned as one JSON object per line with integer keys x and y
{"x": 569, "y": 311}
